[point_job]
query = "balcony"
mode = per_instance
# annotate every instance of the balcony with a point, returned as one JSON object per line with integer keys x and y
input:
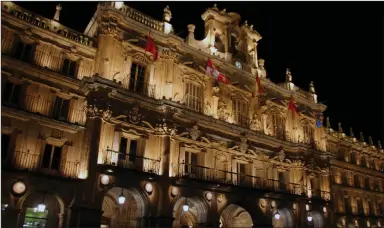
{"x": 200, "y": 173}
{"x": 194, "y": 103}
{"x": 140, "y": 87}
{"x": 319, "y": 194}
{"x": 131, "y": 162}
{"x": 47, "y": 61}
{"x": 40, "y": 106}
{"x": 32, "y": 162}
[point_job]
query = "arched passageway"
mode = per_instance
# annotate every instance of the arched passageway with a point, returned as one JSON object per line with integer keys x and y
{"x": 41, "y": 209}
{"x": 116, "y": 215}
{"x": 286, "y": 219}
{"x": 235, "y": 216}
{"x": 196, "y": 214}
{"x": 318, "y": 219}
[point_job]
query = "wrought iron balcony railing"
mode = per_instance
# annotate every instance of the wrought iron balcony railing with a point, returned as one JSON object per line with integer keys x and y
{"x": 194, "y": 103}
{"x": 139, "y": 87}
{"x": 319, "y": 194}
{"x": 188, "y": 171}
{"x": 46, "y": 60}
{"x": 128, "y": 161}
{"x": 41, "y": 106}
{"x": 29, "y": 161}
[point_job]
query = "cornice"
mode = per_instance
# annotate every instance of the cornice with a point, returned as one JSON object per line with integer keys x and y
{"x": 357, "y": 169}
{"x": 357, "y": 190}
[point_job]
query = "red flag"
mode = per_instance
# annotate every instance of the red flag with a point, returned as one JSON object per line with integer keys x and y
{"x": 211, "y": 70}
{"x": 260, "y": 89}
{"x": 151, "y": 47}
{"x": 292, "y": 106}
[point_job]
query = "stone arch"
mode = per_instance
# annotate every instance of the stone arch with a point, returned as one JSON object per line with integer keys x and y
{"x": 126, "y": 215}
{"x": 235, "y": 216}
{"x": 286, "y": 219}
{"x": 197, "y": 213}
{"x": 318, "y": 219}
{"x": 54, "y": 207}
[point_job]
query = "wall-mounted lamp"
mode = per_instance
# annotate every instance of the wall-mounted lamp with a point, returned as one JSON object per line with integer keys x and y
{"x": 121, "y": 197}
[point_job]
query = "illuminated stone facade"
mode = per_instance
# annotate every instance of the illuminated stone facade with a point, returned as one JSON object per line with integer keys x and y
{"x": 90, "y": 117}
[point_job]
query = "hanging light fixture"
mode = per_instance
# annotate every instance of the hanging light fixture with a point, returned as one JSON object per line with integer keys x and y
{"x": 41, "y": 206}
{"x": 185, "y": 206}
{"x": 121, "y": 197}
{"x": 277, "y": 215}
{"x": 310, "y": 218}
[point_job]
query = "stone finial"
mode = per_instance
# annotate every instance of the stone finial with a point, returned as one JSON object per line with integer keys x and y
{"x": 370, "y": 141}
{"x": 215, "y": 6}
{"x": 191, "y": 28}
{"x": 261, "y": 63}
{"x": 251, "y": 27}
{"x": 312, "y": 87}
{"x": 246, "y": 23}
{"x": 361, "y": 137}
{"x": 339, "y": 127}
{"x": 288, "y": 75}
{"x": 328, "y": 122}
{"x": 351, "y": 132}
{"x": 167, "y": 16}
{"x": 379, "y": 144}
{"x": 57, "y": 13}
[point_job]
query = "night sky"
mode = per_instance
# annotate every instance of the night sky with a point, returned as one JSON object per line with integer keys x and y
{"x": 338, "y": 45}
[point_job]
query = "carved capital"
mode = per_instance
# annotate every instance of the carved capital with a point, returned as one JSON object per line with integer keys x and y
{"x": 94, "y": 111}
{"x": 109, "y": 29}
{"x": 166, "y": 53}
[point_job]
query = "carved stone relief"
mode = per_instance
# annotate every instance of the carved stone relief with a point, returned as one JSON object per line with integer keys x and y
{"x": 222, "y": 111}
{"x": 255, "y": 123}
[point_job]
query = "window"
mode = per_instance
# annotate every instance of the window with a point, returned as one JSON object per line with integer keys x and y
{"x": 347, "y": 206}
{"x": 360, "y": 208}
{"x": 34, "y": 218}
{"x": 61, "y": 109}
{"x": 240, "y": 112}
{"x": 128, "y": 147}
{"x": 137, "y": 78}
{"x": 190, "y": 163}
{"x": 69, "y": 68}
{"x": 356, "y": 180}
{"x": 277, "y": 126}
{"x": 240, "y": 172}
{"x": 363, "y": 163}
{"x": 51, "y": 157}
{"x": 24, "y": 52}
{"x": 5, "y": 140}
{"x": 308, "y": 134}
{"x": 367, "y": 184}
{"x": 353, "y": 157}
{"x": 11, "y": 93}
{"x": 194, "y": 97}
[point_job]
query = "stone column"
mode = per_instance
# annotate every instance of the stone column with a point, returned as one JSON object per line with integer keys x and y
{"x": 213, "y": 219}
{"x": 86, "y": 210}
{"x": 105, "y": 54}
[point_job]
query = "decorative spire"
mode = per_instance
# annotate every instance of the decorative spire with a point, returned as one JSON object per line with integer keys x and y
{"x": 167, "y": 16}
{"x": 351, "y": 132}
{"x": 362, "y": 137}
{"x": 370, "y": 141}
{"x": 246, "y": 23}
{"x": 57, "y": 13}
{"x": 328, "y": 123}
{"x": 312, "y": 87}
{"x": 340, "y": 128}
{"x": 288, "y": 75}
{"x": 214, "y": 6}
{"x": 379, "y": 144}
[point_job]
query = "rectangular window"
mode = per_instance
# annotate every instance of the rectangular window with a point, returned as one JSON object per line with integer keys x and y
{"x": 356, "y": 180}
{"x": 240, "y": 172}
{"x": 190, "y": 162}
{"x": 51, "y": 157}
{"x": 347, "y": 206}
{"x": 24, "y": 52}
{"x": 5, "y": 140}
{"x": 69, "y": 68}
{"x": 11, "y": 93}
{"x": 360, "y": 208}
{"x": 128, "y": 148}
{"x": 194, "y": 97}
{"x": 137, "y": 78}
{"x": 240, "y": 112}
{"x": 61, "y": 109}
{"x": 277, "y": 126}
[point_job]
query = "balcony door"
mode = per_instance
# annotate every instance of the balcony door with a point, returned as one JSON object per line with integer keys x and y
{"x": 11, "y": 93}
{"x": 194, "y": 96}
{"x": 128, "y": 153}
{"x": 137, "y": 78}
{"x": 240, "y": 173}
{"x": 61, "y": 109}
{"x": 51, "y": 157}
{"x": 240, "y": 112}
{"x": 23, "y": 52}
{"x": 190, "y": 163}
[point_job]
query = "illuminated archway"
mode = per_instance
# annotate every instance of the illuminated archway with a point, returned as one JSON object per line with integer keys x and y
{"x": 318, "y": 219}
{"x": 285, "y": 220}
{"x": 196, "y": 214}
{"x": 125, "y": 215}
{"x": 43, "y": 208}
{"x": 236, "y": 216}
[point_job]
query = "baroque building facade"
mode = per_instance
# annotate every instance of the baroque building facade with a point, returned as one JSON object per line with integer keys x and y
{"x": 99, "y": 132}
